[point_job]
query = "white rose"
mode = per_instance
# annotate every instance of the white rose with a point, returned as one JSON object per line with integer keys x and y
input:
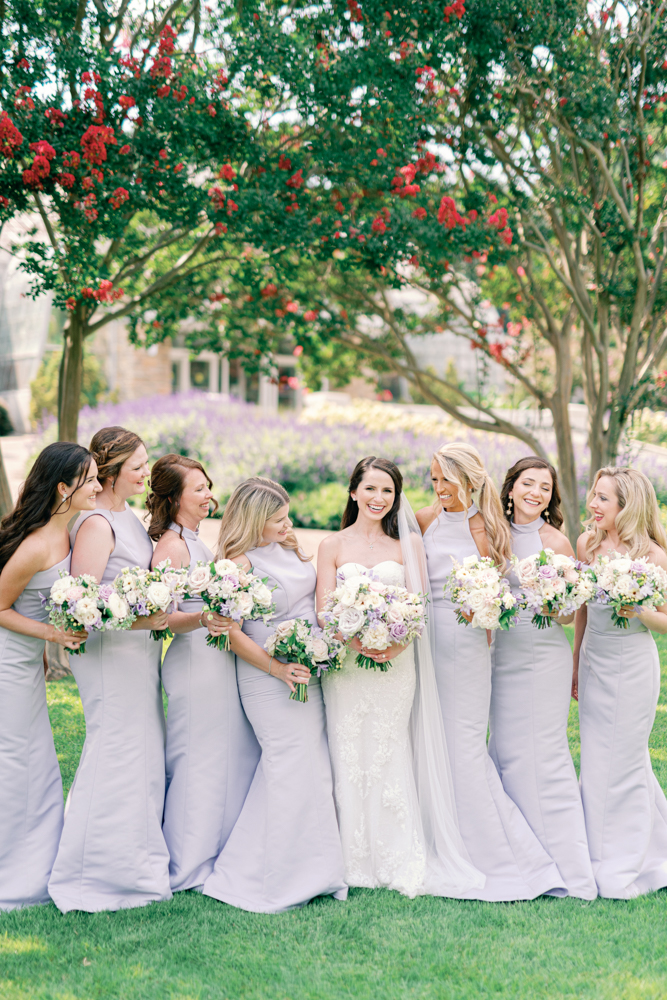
{"x": 262, "y": 594}
{"x": 199, "y": 579}
{"x": 227, "y": 588}
{"x": 118, "y": 606}
{"x": 477, "y": 600}
{"x": 285, "y": 628}
{"x": 622, "y": 565}
{"x": 394, "y": 614}
{"x": 487, "y": 618}
{"x": 377, "y": 636}
{"x": 559, "y": 585}
{"x": 351, "y": 620}
{"x": 562, "y": 562}
{"x": 244, "y": 603}
{"x": 159, "y": 595}
{"x": 624, "y": 584}
{"x": 86, "y": 611}
{"x": 225, "y": 566}
{"x": 376, "y": 586}
{"x": 319, "y": 650}
{"x": 470, "y": 561}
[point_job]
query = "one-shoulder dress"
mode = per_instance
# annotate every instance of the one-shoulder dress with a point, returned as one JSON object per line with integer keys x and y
{"x": 211, "y": 752}
{"x": 285, "y": 848}
{"x": 530, "y": 703}
{"x": 31, "y": 791}
{"x": 498, "y": 838}
{"x": 112, "y": 853}
{"x": 624, "y": 806}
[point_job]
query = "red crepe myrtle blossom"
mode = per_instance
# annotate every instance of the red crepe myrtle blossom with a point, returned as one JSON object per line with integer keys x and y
{"x": 124, "y": 150}
{"x": 497, "y": 351}
{"x": 298, "y": 351}
{"x": 227, "y": 172}
{"x": 181, "y": 93}
{"x": 70, "y": 303}
{"x": 426, "y": 76}
{"x": 87, "y": 184}
{"x": 269, "y": 291}
{"x": 217, "y": 196}
{"x": 119, "y": 197}
{"x": 211, "y": 110}
{"x": 23, "y": 64}
{"x": 166, "y": 42}
{"x": 419, "y": 213}
{"x": 381, "y": 152}
{"x": 4, "y": 202}
{"x": 231, "y": 206}
{"x": 71, "y": 159}
{"x": 89, "y": 210}
{"x": 457, "y": 9}
{"x": 126, "y": 101}
{"x": 10, "y": 137}
{"x": 379, "y": 225}
{"x": 296, "y": 180}
{"x": 23, "y": 100}
{"x": 448, "y": 214}
{"x": 506, "y": 237}
{"x": 178, "y": 168}
{"x": 163, "y": 154}
{"x": 219, "y": 228}
{"x": 105, "y": 293}
{"x": 292, "y": 307}
{"x": 284, "y": 163}
{"x": 161, "y": 67}
{"x": 66, "y": 180}
{"x": 355, "y": 10}
{"x": 55, "y": 117}
{"x": 43, "y": 148}
{"x": 498, "y": 218}
{"x": 310, "y": 316}
{"x": 163, "y": 91}
{"x": 94, "y": 143}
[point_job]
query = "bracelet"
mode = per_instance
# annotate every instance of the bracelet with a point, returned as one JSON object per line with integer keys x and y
{"x": 270, "y": 662}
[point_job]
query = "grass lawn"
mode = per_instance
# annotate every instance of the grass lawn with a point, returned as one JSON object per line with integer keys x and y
{"x": 377, "y": 945}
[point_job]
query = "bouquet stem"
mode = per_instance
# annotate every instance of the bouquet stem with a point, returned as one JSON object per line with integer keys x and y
{"x": 222, "y": 642}
{"x": 542, "y": 621}
{"x": 166, "y": 633}
{"x": 369, "y": 664}
{"x": 300, "y": 694}
{"x": 461, "y": 618}
{"x": 618, "y": 621}
{"x": 77, "y": 652}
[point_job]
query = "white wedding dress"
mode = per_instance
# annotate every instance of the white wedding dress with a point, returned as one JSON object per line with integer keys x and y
{"x": 372, "y": 742}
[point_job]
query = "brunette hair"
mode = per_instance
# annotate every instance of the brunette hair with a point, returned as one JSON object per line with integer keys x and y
{"x": 166, "y": 489}
{"x": 110, "y": 447}
{"x": 553, "y": 513}
{"x": 638, "y": 521}
{"x": 248, "y": 509}
{"x": 462, "y": 466}
{"x": 351, "y": 512}
{"x": 61, "y": 462}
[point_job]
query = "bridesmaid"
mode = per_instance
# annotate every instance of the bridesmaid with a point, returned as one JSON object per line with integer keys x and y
{"x": 211, "y": 751}
{"x": 530, "y": 691}
{"x": 617, "y": 673}
{"x": 34, "y": 549}
{"x": 112, "y": 853}
{"x": 285, "y": 848}
{"x": 499, "y": 841}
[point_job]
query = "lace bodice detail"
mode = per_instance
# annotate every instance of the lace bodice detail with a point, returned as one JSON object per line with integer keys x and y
{"x": 388, "y": 572}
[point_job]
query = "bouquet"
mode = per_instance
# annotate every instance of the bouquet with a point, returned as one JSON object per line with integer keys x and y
{"x": 147, "y": 591}
{"x": 300, "y": 642}
{"x": 552, "y": 585}
{"x": 621, "y": 582}
{"x": 77, "y": 602}
{"x": 376, "y": 613}
{"x": 477, "y": 588}
{"x": 231, "y": 592}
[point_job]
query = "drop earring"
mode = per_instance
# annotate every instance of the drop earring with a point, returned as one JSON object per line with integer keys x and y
{"x": 510, "y": 503}
{"x": 545, "y": 515}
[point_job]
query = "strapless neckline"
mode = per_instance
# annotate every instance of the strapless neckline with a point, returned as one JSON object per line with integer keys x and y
{"x": 369, "y": 569}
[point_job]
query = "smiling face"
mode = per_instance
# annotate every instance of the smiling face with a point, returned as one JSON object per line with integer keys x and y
{"x": 446, "y": 492}
{"x": 132, "y": 476}
{"x": 375, "y": 495}
{"x": 603, "y": 504}
{"x": 278, "y": 526}
{"x": 531, "y": 493}
{"x": 83, "y": 498}
{"x": 194, "y": 502}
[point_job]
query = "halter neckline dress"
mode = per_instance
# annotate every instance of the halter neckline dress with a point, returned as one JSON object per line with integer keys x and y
{"x": 498, "y": 838}
{"x": 530, "y": 703}
{"x": 31, "y": 791}
{"x": 211, "y": 750}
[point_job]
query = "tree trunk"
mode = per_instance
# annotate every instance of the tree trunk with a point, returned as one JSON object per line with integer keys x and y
{"x": 6, "y": 502}
{"x": 71, "y": 374}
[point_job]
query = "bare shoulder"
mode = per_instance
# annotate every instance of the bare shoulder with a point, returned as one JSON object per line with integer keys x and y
{"x": 582, "y": 555}
{"x": 657, "y": 555}
{"x": 171, "y": 546}
{"x": 425, "y": 517}
{"x": 32, "y": 555}
{"x": 243, "y": 562}
{"x": 330, "y": 546}
{"x": 553, "y": 538}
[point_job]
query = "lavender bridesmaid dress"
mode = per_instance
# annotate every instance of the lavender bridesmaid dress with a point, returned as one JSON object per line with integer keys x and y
{"x": 31, "y": 792}
{"x": 624, "y": 806}
{"x": 112, "y": 853}
{"x": 499, "y": 841}
{"x": 211, "y": 752}
{"x": 285, "y": 848}
{"x": 530, "y": 702}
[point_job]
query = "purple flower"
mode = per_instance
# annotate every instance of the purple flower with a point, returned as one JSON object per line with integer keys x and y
{"x": 548, "y": 572}
{"x": 106, "y": 590}
{"x": 398, "y": 631}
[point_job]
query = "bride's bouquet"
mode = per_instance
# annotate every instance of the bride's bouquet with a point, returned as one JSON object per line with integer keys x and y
{"x": 478, "y": 588}
{"x": 150, "y": 590}
{"x": 552, "y": 585}
{"x": 300, "y": 642}
{"x": 378, "y": 614}
{"x": 624, "y": 582}
{"x": 232, "y": 592}
{"x": 80, "y": 602}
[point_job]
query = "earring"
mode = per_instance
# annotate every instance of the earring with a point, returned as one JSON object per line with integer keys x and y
{"x": 510, "y": 502}
{"x": 545, "y": 514}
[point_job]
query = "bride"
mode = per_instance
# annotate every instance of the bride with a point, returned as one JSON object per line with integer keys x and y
{"x": 391, "y": 772}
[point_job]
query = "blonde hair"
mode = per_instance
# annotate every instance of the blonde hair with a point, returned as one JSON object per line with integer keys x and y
{"x": 462, "y": 465}
{"x": 248, "y": 509}
{"x": 638, "y": 521}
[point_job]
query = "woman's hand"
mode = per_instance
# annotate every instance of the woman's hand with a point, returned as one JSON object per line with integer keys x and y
{"x": 290, "y": 673}
{"x": 215, "y": 623}
{"x": 468, "y": 615}
{"x": 157, "y": 622}
{"x": 68, "y": 639}
{"x": 382, "y": 655}
{"x": 575, "y": 677}
{"x": 628, "y": 611}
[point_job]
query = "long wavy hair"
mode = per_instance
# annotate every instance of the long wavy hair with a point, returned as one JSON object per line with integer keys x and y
{"x": 351, "y": 512}
{"x": 61, "y": 462}
{"x": 638, "y": 521}
{"x": 166, "y": 489}
{"x": 555, "y": 514}
{"x": 111, "y": 447}
{"x": 462, "y": 466}
{"x": 248, "y": 509}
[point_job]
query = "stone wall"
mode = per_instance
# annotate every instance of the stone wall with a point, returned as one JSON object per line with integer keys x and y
{"x": 132, "y": 372}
